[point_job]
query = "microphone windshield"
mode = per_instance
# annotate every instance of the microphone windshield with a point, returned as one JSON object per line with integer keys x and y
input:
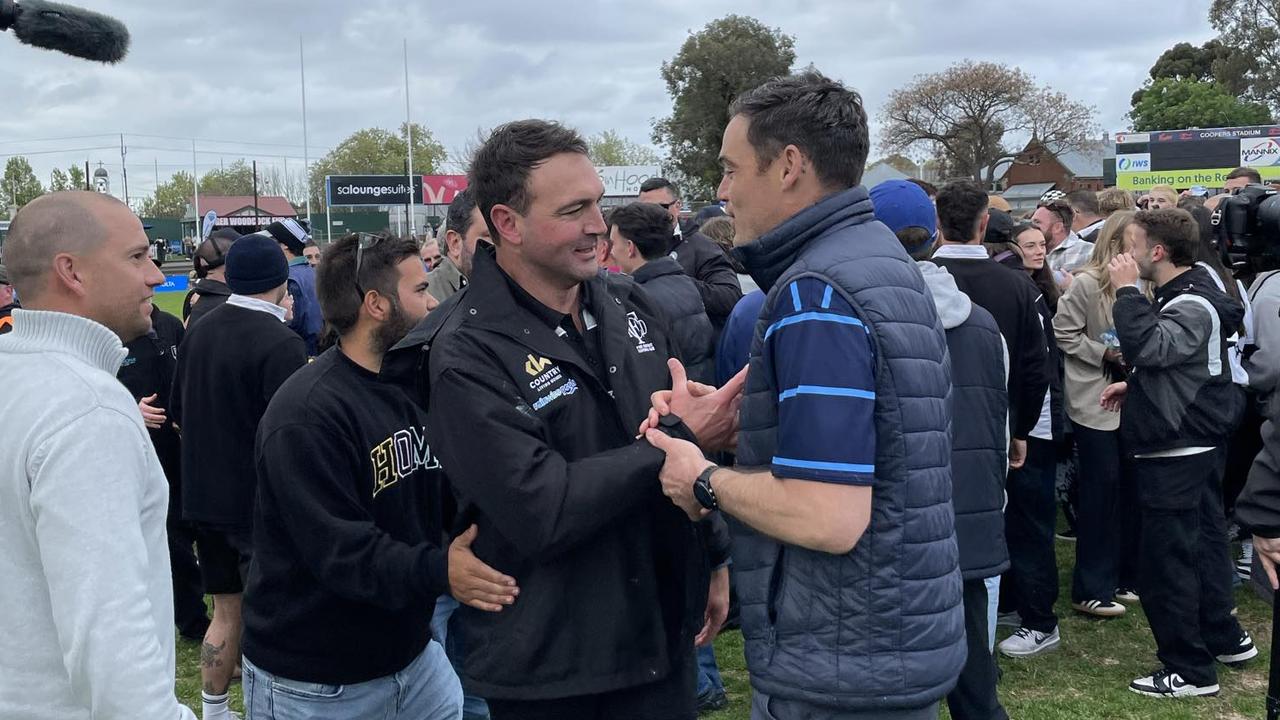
{"x": 71, "y": 30}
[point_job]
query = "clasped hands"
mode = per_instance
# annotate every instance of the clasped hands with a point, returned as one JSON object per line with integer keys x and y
{"x": 711, "y": 414}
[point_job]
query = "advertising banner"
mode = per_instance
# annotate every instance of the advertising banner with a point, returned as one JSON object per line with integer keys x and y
{"x": 1179, "y": 179}
{"x": 441, "y": 189}
{"x": 366, "y": 190}
{"x": 625, "y": 180}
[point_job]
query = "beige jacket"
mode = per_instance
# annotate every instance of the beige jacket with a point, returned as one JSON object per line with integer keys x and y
{"x": 1084, "y": 314}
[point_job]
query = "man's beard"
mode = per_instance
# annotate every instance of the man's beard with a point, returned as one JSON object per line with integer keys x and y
{"x": 393, "y": 330}
{"x": 1146, "y": 268}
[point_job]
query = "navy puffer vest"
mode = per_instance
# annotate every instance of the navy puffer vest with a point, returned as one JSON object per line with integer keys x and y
{"x": 880, "y": 627}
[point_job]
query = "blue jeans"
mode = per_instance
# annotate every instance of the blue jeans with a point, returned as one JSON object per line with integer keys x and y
{"x": 428, "y": 689}
{"x": 473, "y": 707}
{"x": 708, "y": 674}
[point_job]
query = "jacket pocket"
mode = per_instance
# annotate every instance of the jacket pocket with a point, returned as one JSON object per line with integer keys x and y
{"x": 777, "y": 584}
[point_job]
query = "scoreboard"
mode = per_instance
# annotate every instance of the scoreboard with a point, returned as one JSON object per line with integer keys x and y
{"x": 1183, "y": 158}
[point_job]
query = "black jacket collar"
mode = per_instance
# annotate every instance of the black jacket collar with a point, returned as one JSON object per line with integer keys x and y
{"x": 664, "y": 265}
{"x": 768, "y": 256}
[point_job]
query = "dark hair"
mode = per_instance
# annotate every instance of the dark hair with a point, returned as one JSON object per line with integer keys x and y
{"x": 1245, "y": 172}
{"x": 961, "y": 206}
{"x": 336, "y": 279}
{"x": 1041, "y": 276}
{"x": 500, "y": 169}
{"x": 459, "y": 216}
{"x": 929, "y": 188}
{"x": 645, "y": 224}
{"x": 1176, "y": 230}
{"x": 309, "y": 244}
{"x": 657, "y": 183}
{"x": 1083, "y": 202}
{"x": 1208, "y": 251}
{"x": 820, "y": 116}
{"x": 1063, "y": 210}
{"x": 916, "y": 241}
{"x": 212, "y": 253}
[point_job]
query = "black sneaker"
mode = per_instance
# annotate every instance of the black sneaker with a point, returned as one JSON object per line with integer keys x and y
{"x": 1241, "y": 653}
{"x": 1166, "y": 683}
{"x": 712, "y": 701}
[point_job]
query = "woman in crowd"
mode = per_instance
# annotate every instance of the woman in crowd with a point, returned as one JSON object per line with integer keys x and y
{"x": 1085, "y": 332}
{"x": 1031, "y": 246}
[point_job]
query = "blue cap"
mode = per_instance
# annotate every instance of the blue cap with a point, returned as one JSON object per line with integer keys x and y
{"x": 902, "y": 204}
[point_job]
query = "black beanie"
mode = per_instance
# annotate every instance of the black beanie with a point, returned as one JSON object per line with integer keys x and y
{"x": 256, "y": 265}
{"x": 290, "y": 233}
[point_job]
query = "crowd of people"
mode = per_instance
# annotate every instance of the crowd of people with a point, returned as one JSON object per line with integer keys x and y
{"x": 531, "y": 470}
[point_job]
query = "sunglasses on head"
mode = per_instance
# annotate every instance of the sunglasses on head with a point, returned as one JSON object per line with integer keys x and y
{"x": 365, "y": 241}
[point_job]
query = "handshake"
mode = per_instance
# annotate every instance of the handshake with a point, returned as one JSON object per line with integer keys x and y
{"x": 710, "y": 414}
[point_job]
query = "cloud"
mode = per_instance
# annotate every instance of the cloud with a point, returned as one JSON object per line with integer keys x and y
{"x": 228, "y": 69}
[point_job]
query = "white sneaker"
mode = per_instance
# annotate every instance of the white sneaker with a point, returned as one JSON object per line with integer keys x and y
{"x": 1028, "y": 643}
{"x": 1127, "y": 595}
{"x": 1244, "y": 566}
{"x": 1238, "y": 655}
{"x": 1099, "y": 608}
{"x": 1166, "y": 683}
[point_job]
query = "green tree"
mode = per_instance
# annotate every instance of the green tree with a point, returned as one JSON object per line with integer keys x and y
{"x": 233, "y": 179}
{"x": 376, "y": 151}
{"x": 76, "y": 175}
{"x": 726, "y": 58}
{"x": 969, "y": 114}
{"x": 58, "y": 181}
{"x": 1173, "y": 104}
{"x": 171, "y": 197}
{"x": 1252, "y": 29}
{"x": 19, "y": 185}
{"x": 610, "y": 148}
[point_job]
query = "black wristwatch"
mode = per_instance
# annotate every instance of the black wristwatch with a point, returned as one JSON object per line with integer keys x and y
{"x": 702, "y": 490}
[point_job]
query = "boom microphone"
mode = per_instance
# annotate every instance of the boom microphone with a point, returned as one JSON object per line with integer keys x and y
{"x": 71, "y": 30}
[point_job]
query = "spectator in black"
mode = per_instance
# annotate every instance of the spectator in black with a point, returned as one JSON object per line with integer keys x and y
{"x": 342, "y": 456}
{"x": 639, "y": 234}
{"x": 229, "y": 366}
{"x": 539, "y": 373}
{"x": 210, "y": 289}
{"x": 1180, "y": 406}
{"x": 8, "y": 302}
{"x": 701, "y": 258}
{"x": 148, "y": 371}
{"x": 464, "y": 229}
{"x": 979, "y": 445}
{"x": 1015, "y": 303}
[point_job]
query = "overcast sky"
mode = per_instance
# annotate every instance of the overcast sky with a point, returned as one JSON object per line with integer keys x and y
{"x": 229, "y": 70}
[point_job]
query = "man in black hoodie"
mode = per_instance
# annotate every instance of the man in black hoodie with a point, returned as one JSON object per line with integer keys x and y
{"x": 1180, "y": 406}
{"x": 338, "y": 628}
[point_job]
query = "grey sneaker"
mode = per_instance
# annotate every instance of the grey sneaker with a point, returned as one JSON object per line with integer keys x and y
{"x": 1029, "y": 643}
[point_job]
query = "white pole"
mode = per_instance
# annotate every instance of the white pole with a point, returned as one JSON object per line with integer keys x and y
{"x": 195, "y": 189}
{"x": 408, "y": 127}
{"x": 306, "y": 155}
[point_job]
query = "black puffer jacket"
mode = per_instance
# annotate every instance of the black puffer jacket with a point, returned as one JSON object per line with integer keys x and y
{"x": 678, "y": 298}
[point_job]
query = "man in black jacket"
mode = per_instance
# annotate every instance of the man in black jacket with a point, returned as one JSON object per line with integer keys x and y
{"x": 1014, "y": 302}
{"x": 537, "y": 375}
{"x": 210, "y": 289}
{"x": 1180, "y": 406}
{"x": 700, "y": 257}
{"x": 229, "y": 365}
{"x": 147, "y": 371}
{"x": 639, "y": 234}
{"x": 340, "y": 624}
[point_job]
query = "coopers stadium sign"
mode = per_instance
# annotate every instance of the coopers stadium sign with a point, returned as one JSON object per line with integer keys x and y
{"x": 363, "y": 190}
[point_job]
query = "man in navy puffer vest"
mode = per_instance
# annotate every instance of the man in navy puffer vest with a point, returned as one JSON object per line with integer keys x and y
{"x": 844, "y": 550}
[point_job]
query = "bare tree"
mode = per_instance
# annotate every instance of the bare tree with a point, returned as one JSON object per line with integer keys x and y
{"x": 968, "y": 114}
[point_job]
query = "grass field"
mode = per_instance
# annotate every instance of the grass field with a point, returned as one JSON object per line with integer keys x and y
{"x": 170, "y": 302}
{"x": 1085, "y": 678}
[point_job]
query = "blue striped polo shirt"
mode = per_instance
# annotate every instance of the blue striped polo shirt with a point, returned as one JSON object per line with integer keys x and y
{"x": 824, "y": 369}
